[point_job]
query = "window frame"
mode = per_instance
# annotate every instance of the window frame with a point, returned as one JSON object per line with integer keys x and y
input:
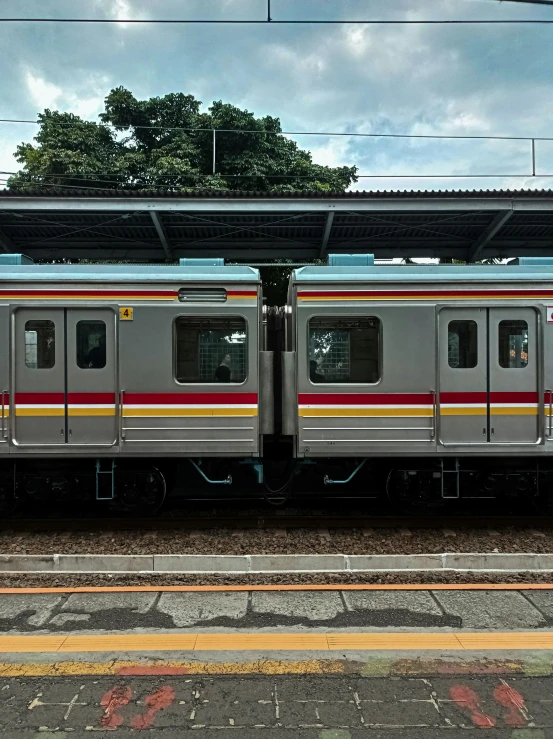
{"x": 89, "y": 321}
{"x": 463, "y": 320}
{"x": 512, "y": 320}
{"x": 338, "y": 317}
{"x": 26, "y": 330}
{"x": 207, "y": 316}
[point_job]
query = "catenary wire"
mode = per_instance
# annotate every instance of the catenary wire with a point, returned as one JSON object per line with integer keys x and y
{"x": 294, "y": 133}
{"x": 312, "y": 21}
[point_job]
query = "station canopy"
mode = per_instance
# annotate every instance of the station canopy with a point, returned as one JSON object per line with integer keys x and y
{"x": 254, "y": 226}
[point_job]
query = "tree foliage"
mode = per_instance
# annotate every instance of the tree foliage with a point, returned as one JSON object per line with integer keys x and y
{"x": 168, "y": 142}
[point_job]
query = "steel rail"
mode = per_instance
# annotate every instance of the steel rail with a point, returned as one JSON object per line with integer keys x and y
{"x": 272, "y": 521}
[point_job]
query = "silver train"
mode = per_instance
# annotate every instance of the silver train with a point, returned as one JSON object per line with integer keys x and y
{"x": 122, "y": 383}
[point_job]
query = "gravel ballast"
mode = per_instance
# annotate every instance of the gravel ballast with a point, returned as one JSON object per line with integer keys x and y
{"x": 161, "y": 581}
{"x": 275, "y": 541}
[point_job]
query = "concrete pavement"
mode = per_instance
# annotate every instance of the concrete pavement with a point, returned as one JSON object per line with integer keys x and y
{"x": 458, "y": 609}
{"x": 115, "y": 681}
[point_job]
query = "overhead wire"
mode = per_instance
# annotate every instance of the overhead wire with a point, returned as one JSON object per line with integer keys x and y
{"x": 528, "y": 2}
{"x": 291, "y": 133}
{"x": 312, "y": 21}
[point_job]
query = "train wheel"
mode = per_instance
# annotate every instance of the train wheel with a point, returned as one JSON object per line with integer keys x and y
{"x": 412, "y": 495}
{"x": 139, "y": 492}
{"x": 8, "y": 497}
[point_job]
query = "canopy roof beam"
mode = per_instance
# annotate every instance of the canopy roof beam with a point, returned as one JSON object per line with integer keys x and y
{"x": 156, "y": 218}
{"x": 487, "y": 235}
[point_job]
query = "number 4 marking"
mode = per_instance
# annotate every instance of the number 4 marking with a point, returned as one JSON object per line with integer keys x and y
{"x": 126, "y": 314}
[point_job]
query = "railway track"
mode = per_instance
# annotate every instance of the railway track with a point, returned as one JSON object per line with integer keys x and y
{"x": 199, "y": 523}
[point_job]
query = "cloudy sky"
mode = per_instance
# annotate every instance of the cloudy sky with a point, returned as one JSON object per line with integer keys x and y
{"x": 489, "y": 80}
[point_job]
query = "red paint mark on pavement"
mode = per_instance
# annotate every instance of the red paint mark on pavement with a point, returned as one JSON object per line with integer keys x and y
{"x": 464, "y": 697}
{"x": 153, "y": 670}
{"x": 512, "y": 700}
{"x": 156, "y": 702}
{"x": 112, "y": 701}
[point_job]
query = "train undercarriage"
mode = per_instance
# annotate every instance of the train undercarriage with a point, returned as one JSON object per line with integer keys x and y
{"x": 407, "y": 485}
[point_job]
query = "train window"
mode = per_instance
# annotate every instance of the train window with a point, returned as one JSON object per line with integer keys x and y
{"x": 462, "y": 344}
{"x": 344, "y": 350}
{"x": 40, "y": 344}
{"x": 513, "y": 344}
{"x": 211, "y": 349}
{"x": 91, "y": 344}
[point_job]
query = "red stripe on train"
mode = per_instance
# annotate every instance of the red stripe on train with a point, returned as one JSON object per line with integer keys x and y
{"x": 415, "y": 398}
{"x": 101, "y": 293}
{"x": 514, "y": 397}
{"x": 464, "y": 397}
{"x": 365, "y": 399}
{"x": 40, "y": 398}
{"x": 190, "y": 398}
{"x": 419, "y": 293}
{"x": 90, "y": 398}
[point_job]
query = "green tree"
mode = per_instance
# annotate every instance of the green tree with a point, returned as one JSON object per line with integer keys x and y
{"x": 168, "y": 142}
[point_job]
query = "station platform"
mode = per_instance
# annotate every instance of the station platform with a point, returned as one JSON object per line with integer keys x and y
{"x": 408, "y": 662}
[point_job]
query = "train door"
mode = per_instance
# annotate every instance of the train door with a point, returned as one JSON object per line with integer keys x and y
{"x": 38, "y": 403}
{"x": 514, "y": 389}
{"x": 64, "y": 376}
{"x": 488, "y": 376}
{"x": 462, "y": 339}
{"x": 91, "y": 376}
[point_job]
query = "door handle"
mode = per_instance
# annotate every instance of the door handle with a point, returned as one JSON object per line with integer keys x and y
{"x": 434, "y": 414}
{"x": 121, "y": 405}
{"x": 4, "y": 393}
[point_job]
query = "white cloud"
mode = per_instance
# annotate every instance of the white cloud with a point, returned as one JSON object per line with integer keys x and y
{"x": 86, "y": 101}
{"x": 43, "y": 94}
{"x": 455, "y": 80}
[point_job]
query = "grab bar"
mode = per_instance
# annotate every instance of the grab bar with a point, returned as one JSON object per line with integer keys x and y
{"x": 121, "y": 403}
{"x": 434, "y": 414}
{"x": 550, "y": 431}
{"x": 4, "y": 393}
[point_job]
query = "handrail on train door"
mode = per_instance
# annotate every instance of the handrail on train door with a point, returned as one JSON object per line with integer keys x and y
{"x": 121, "y": 402}
{"x": 434, "y": 414}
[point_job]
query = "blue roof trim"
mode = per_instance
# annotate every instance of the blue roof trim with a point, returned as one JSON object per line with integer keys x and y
{"x": 425, "y": 273}
{"x": 126, "y": 273}
{"x": 351, "y": 260}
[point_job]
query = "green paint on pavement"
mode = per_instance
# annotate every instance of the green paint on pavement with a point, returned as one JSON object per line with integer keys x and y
{"x": 334, "y": 734}
{"x": 527, "y": 734}
{"x": 538, "y": 665}
{"x": 377, "y": 667}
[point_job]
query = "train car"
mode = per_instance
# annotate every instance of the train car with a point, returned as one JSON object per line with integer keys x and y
{"x": 120, "y": 378}
{"x": 434, "y": 381}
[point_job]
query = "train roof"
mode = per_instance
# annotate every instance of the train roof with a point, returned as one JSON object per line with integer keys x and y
{"x": 426, "y": 273}
{"x": 126, "y": 273}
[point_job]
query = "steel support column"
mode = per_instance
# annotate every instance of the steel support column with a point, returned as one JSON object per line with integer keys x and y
{"x": 326, "y": 234}
{"x": 156, "y": 218}
{"x": 487, "y": 235}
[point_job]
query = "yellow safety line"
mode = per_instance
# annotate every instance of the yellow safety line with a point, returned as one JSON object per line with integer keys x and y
{"x": 280, "y": 587}
{"x": 163, "y": 667}
{"x": 246, "y": 641}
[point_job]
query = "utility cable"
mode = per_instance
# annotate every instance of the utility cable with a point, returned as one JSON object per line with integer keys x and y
{"x": 183, "y": 21}
{"x": 291, "y": 133}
